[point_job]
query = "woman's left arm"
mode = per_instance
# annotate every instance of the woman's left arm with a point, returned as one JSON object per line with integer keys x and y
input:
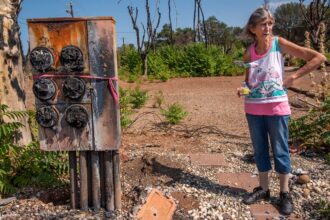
{"x": 313, "y": 58}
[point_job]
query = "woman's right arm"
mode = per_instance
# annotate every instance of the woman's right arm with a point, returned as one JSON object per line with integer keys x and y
{"x": 247, "y": 59}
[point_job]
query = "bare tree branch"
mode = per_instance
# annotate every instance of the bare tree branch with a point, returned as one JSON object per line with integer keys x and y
{"x": 204, "y": 26}
{"x": 149, "y": 32}
{"x": 135, "y": 26}
{"x": 170, "y": 21}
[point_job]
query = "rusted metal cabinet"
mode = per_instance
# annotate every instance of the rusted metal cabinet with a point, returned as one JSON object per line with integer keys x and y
{"x": 74, "y": 71}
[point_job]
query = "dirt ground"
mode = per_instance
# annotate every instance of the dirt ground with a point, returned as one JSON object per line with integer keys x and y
{"x": 156, "y": 156}
{"x": 216, "y": 115}
{"x": 211, "y": 102}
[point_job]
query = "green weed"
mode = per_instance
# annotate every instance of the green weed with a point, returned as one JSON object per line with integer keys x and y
{"x": 174, "y": 114}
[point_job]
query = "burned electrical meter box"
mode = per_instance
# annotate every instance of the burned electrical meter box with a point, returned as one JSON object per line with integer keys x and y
{"x": 74, "y": 82}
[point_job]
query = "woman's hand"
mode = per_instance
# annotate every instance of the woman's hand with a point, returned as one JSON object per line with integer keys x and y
{"x": 288, "y": 82}
{"x": 239, "y": 92}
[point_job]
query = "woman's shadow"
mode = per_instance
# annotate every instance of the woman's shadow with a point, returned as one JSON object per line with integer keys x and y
{"x": 177, "y": 175}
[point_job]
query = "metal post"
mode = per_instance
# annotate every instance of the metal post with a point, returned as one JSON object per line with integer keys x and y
{"x": 73, "y": 179}
{"x": 102, "y": 177}
{"x": 89, "y": 176}
{"x": 116, "y": 171}
{"x": 109, "y": 181}
{"x": 96, "y": 180}
{"x": 83, "y": 181}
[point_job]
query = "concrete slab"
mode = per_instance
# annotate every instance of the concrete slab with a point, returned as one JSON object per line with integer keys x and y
{"x": 268, "y": 212}
{"x": 157, "y": 207}
{"x": 241, "y": 182}
{"x": 186, "y": 202}
{"x": 204, "y": 159}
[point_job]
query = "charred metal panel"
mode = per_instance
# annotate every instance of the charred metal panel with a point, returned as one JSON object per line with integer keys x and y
{"x": 76, "y": 111}
{"x": 58, "y": 34}
{"x": 102, "y": 53}
{"x": 75, "y": 133}
{"x": 63, "y": 136}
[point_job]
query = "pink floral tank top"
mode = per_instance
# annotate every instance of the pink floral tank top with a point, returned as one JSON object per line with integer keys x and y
{"x": 267, "y": 96}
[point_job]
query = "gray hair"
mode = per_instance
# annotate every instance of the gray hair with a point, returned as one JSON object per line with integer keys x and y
{"x": 257, "y": 16}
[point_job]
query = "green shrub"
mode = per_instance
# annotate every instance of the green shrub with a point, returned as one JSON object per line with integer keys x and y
{"x": 130, "y": 60}
{"x": 327, "y": 55}
{"x": 138, "y": 98}
{"x": 174, "y": 114}
{"x": 313, "y": 129}
{"x": 327, "y": 159}
{"x": 125, "y": 107}
{"x": 40, "y": 168}
{"x": 181, "y": 61}
{"x": 25, "y": 165}
{"x": 324, "y": 209}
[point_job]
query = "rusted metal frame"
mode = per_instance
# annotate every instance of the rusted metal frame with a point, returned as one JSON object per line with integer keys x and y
{"x": 83, "y": 181}
{"x": 116, "y": 175}
{"x": 73, "y": 179}
{"x": 96, "y": 190}
{"x": 102, "y": 64}
{"x": 109, "y": 181}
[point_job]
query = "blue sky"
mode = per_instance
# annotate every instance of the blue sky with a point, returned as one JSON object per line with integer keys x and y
{"x": 231, "y": 12}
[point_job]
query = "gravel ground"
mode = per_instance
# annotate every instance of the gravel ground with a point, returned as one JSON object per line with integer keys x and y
{"x": 154, "y": 156}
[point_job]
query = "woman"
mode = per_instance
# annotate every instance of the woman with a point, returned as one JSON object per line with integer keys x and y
{"x": 266, "y": 106}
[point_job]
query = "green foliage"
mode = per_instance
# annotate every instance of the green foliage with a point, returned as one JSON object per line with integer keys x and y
{"x": 313, "y": 129}
{"x": 157, "y": 69}
{"x": 182, "y": 61}
{"x": 327, "y": 159}
{"x": 138, "y": 97}
{"x": 131, "y": 59}
{"x": 289, "y": 22}
{"x": 129, "y": 100}
{"x": 324, "y": 209}
{"x": 40, "y": 168}
{"x": 174, "y": 113}
{"x": 130, "y": 63}
{"x": 125, "y": 107}
{"x": 25, "y": 165}
{"x": 327, "y": 56}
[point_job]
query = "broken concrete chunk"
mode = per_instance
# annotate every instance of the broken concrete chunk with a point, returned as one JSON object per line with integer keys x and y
{"x": 157, "y": 207}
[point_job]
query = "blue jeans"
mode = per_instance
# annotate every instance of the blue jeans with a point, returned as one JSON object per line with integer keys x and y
{"x": 276, "y": 127}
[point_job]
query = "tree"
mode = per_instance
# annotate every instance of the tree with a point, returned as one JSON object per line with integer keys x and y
{"x": 165, "y": 36}
{"x": 170, "y": 21}
{"x": 222, "y": 35}
{"x": 289, "y": 22}
{"x": 12, "y": 93}
{"x": 215, "y": 30}
{"x": 198, "y": 12}
{"x": 142, "y": 45}
{"x": 316, "y": 13}
{"x": 183, "y": 36}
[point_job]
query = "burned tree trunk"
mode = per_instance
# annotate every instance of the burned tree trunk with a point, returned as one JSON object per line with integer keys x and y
{"x": 170, "y": 21}
{"x": 198, "y": 12}
{"x": 11, "y": 62}
{"x": 314, "y": 15}
{"x": 143, "y": 46}
{"x": 204, "y": 25}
